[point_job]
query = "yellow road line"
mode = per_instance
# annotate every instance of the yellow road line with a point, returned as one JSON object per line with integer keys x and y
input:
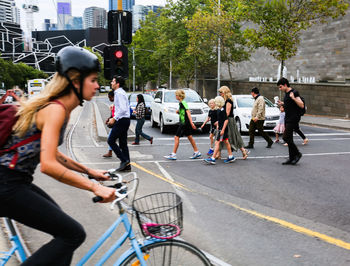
{"x": 296, "y": 228}
{"x": 161, "y": 177}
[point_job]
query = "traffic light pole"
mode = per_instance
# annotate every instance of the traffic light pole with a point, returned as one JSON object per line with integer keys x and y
{"x": 219, "y": 56}
{"x": 133, "y": 69}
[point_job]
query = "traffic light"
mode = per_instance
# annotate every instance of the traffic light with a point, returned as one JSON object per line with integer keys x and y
{"x": 119, "y": 20}
{"x": 116, "y": 61}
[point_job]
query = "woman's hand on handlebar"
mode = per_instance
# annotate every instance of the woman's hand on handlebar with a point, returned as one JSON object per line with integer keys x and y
{"x": 99, "y": 175}
{"x": 106, "y": 193}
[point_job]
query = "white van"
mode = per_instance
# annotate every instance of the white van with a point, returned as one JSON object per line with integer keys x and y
{"x": 35, "y": 86}
{"x": 165, "y": 105}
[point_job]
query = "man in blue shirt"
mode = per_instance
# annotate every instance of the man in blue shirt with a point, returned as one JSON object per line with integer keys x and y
{"x": 121, "y": 123}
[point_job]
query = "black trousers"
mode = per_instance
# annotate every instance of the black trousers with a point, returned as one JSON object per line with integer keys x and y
{"x": 288, "y": 138}
{"x": 26, "y": 203}
{"x": 120, "y": 131}
{"x": 259, "y": 125}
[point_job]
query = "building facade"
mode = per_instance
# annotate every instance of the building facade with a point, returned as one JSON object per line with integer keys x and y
{"x": 139, "y": 14}
{"x": 9, "y": 12}
{"x": 127, "y": 4}
{"x": 64, "y": 13}
{"x": 95, "y": 17}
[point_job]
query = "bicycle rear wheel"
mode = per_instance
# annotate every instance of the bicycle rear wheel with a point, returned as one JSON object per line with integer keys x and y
{"x": 171, "y": 252}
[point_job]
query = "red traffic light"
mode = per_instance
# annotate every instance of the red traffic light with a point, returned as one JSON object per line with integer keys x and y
{"x": 118, "y": 54}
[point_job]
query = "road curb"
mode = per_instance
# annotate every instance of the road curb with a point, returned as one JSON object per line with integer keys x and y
{"x": 324, "y": 126}
{"x": 102, "y": 134}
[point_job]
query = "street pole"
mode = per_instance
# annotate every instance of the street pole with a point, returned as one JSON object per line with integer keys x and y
{"x": 133, "y": 69}
{"x": 219, "y": 57}
{"x": 170, "y": 78}
{"x": 120, "y": 5}
{"x": 195, "y": 74}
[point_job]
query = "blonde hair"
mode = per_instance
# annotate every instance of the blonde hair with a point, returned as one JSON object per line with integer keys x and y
{"x": 219, "y": 101}
{"x": 180, "y": 93}
{"x": 57, "y": 87}
{"x": 212, "y": 101}
{"x": 226, "y": 91}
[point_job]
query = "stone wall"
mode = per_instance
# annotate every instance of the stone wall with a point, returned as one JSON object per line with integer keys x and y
{"x": 321, "y": 99}
{"x": 323, "y": 53}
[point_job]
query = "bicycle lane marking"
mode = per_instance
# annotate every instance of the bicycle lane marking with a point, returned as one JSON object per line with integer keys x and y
{"x": 182, "y": 195}
{"x": 283, "y": 223}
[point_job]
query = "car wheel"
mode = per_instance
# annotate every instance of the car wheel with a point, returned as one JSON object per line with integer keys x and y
{"x": 153, "y": 124}
{"x": 239, "y": 124}
{"x": 162, "y": 126}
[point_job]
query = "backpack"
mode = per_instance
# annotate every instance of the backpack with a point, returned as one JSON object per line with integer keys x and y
{"x": 8, "y": 119}
{"x": 302, "y": 110}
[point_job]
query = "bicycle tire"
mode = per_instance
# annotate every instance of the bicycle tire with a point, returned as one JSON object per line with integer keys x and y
{"x": 167, "y": 253}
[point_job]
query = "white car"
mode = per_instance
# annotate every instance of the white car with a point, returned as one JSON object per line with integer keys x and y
{"x": 165, "y": 105}
{"x": 243, "y": 105}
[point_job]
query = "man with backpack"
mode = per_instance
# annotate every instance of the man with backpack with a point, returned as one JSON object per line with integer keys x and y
{"x": 294, "y": 108}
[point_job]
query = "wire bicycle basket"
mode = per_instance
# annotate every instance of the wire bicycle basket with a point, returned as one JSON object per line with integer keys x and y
{"x": 159, "y": 215}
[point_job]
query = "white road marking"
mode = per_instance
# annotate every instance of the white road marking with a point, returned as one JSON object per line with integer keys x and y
{"x": 181, "y": 194}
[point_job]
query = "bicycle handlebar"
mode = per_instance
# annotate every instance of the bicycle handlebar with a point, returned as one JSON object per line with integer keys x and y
{"x": 123, "y": 188}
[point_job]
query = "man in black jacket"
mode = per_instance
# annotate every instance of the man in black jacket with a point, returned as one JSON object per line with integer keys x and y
{"x": 292, "y": 105}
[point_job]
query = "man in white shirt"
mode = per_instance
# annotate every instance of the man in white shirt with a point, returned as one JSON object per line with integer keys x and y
{"x": 121, "y": 123}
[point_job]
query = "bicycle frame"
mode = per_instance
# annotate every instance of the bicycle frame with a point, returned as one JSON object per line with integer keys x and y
{"x": 16, "y": 246}
{"x": 123, "y": 218}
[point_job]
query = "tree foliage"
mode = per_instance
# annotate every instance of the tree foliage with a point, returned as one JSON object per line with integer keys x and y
{"x": 17, "y": 74}
{"x": 213, "y": 23}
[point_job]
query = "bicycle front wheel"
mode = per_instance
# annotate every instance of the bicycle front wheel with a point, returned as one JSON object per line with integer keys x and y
{"x": 171, "y": 252}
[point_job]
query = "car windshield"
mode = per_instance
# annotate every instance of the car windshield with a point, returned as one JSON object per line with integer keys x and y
{"x": 247, "y": 102}
{"x": 191, "y": 97}
{"x": 148, "y": 98}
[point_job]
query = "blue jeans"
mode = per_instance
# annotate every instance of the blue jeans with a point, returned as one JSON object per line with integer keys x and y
{"x": 139, "y": 132}
{"x": 120, "y": 131}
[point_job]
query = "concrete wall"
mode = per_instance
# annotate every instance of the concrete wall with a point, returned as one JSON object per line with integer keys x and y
{"x": 321, "y": 99}
{"x": 323, "y": 53}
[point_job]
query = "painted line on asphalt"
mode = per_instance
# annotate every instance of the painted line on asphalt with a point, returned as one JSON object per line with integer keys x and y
{"x": 199, "y": 143}
{"x": 239, "y": 158}
{"x": 296, "y": 228}
{"x": 177, "y": 184}
{"x": 181, "y": 194}
{"x": 283, "y": 223}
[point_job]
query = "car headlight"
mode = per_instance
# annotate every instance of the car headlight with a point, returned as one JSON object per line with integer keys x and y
{"x": 246, "y": 116}
{"x": 206, "y": 110}
{"x": 170, "y": 109}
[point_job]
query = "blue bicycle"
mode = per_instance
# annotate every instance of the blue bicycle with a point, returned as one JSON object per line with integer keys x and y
{"x": 160, "y": 218}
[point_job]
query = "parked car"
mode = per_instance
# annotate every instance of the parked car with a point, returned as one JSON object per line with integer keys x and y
{"x": 133, "y": 102}
{"x": 165, "y": 105}
{"x": 243, "y": 105}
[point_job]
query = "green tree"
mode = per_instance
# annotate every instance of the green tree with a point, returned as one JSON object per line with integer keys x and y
{"x": 279, "y": 23}
{"x": 101, "y": 79}
{"x": 18, "y": 74}
{"x": 211, "y": 24}
{"x": 144, "y": 44}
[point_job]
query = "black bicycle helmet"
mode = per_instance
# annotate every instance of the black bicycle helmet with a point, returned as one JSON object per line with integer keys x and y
{"x": 80, "y": 59}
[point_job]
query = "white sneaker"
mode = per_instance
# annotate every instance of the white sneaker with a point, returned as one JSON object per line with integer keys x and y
{"x": 196, "y": 155}
{"x": 171, "y": 156}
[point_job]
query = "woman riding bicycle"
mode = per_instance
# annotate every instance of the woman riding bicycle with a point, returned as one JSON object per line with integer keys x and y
{"x": 48, "y": 114}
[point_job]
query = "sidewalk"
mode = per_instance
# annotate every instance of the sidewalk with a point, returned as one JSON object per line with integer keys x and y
{"x": 102, "y": 112}
{"x": 326, "y": 121}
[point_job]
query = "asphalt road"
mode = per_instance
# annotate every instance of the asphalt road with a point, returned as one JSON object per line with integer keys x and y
{"x": 250, "y": 212}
